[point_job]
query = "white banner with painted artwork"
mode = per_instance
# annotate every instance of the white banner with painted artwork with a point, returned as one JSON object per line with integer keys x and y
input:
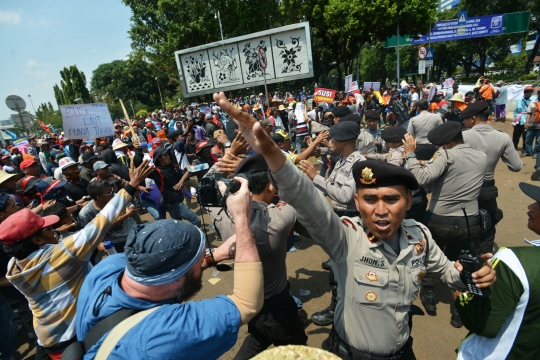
{"x": 233, "y": 63}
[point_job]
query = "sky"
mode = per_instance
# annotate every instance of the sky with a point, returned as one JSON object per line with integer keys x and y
{"x": 39, "y": 38}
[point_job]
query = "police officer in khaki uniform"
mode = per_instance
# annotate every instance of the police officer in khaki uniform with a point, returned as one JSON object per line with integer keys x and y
{"x": 420, "y": 126}
{"x": 393, "y": 138}
{"x": 496, "y": 145}
{"x": 340, "y": 187}
{"x": 378, "y": 262}
{"x": 278, "y": 322}
{"x": 456, "y": 173}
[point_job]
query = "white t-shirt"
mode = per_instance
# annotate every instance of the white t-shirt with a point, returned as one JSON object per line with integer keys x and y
{"x": 414, "y": 97}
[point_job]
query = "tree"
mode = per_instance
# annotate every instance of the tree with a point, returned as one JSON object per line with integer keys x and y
{"x": 72, "y": 86}
{"x": 47, "y": 114}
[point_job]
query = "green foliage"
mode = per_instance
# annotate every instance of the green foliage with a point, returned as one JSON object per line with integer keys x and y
{"x": 47, "y": 114}
{"x": 72, "y": 86}
{"x": 142, "y": 112}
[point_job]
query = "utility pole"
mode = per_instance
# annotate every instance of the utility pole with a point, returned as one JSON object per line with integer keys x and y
{"x": 397, "y": 47}
{"x": 220, "y": 28}
{"x": 161, "y": 97}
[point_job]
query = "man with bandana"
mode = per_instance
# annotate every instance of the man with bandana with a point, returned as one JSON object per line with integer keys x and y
{"x": 160, "y": 270}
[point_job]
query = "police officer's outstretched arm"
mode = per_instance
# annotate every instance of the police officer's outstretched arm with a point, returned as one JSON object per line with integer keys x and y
{"x": 511, "y": 157}
{"x": 248, "y": 291}
{"x": 312, "y": 208}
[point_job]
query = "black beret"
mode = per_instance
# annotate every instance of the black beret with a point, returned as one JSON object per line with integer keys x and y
{"x": 352, "y": 117}
{"x": 341, "y": 111}
{"x": 344, "y": 131}
{"x": 254, "y": 162}
{"x": 474, "y": 108}
{"x": 393, "y": 134}
{"x": 373, "y": 115}
{"x": 444, "y": 133}
{"x": 374, "y": 174}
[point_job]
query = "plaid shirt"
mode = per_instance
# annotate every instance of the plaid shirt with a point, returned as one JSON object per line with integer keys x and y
{"x": 52, "y": 276}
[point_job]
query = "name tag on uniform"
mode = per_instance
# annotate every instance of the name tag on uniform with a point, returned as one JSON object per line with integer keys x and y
{"x": 417, "y": 262}
{"x": 380, "y": 263}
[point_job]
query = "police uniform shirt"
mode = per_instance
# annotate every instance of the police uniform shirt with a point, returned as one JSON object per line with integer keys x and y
{"x": 375, "y": 286}
{"x": 496, "y": 145}
{"x": 395, "y": 156}
{"x": 457, "y": 175}
{"x": 422, "y": 124}
{"x": 377, "y": 136}
{"x": 271, "y": 225}
{"x": 340, "y": 185}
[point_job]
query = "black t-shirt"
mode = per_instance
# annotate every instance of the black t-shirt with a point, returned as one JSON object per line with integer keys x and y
{"x": 76, "y": 192}
{"x": 190, "y": 150}
{"x": 10, "y": 294}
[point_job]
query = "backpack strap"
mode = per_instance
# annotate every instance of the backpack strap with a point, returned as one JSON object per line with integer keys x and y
{"x": 105, "y": 325}
{"x": 119, "y": 331}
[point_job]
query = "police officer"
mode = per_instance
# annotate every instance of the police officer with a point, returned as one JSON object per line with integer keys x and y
{"x": 456, "y": 174}
{"x": 340, "y": 187}
{"x": 376, "y": 286}
{"x": 340, "y": 112}
{"x": 420, "y": 126}
{"x": 496, "y": 145}
{"x": 393, "y": 137}
{"x": 377, "y": 143}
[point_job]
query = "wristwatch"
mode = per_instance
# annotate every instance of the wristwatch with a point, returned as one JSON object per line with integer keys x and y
{"x": 227, "y": 144}
{"x": 410, "y": 156}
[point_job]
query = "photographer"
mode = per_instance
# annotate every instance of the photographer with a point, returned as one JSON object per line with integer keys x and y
{"x": 278, "y": 322}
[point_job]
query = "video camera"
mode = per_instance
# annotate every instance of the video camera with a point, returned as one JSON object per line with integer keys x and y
{"x": 453, "y": 115}
{"x": 208, "y": 190}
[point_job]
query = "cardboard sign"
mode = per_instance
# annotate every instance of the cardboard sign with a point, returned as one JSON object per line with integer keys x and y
{"x": 324, "y": 95}
{"x": 86, "y": 121}
{"x": 376, "y": 86}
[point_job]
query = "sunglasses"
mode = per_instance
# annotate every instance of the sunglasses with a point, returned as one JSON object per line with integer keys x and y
{"x": 111, "y": 193}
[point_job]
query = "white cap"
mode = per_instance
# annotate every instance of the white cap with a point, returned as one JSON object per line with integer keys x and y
{"x": 66, "y": 162}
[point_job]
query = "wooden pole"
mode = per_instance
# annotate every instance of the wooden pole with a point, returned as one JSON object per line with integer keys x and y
{"x": 134, "y": 136}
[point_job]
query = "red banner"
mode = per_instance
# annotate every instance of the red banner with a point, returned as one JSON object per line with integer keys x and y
{"x": 324, "y": 95}
{"x": 43, "y": 126}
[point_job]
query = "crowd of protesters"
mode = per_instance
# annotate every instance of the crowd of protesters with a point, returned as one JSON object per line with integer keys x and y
{"x": 77, "y": 259}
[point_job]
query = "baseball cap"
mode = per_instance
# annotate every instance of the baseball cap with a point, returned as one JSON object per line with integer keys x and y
{"x": 27, "y": 163}
{"x": 24, "y": 224}
{"x": 66, "y": 162}
{"x": 118, "y": 144}
{"x": 208, "y": 116}
{"x": 201, "y": 145}
{"x": 266, "y": 122}
{"x": 87, "y": 157}
{"x": 281, "y": 135}
{"x": 26, "y": 184}
{"x": 47, "y": 184}
{"x": 98, "y": 165}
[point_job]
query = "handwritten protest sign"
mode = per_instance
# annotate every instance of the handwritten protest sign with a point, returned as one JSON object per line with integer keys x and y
{"x": 86, "y": 121}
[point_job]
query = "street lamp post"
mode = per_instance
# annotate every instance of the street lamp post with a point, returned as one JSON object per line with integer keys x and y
{"x": 216, "y": 16}
{"x": 30, "y": 97}
{"x": 161, "y": 97}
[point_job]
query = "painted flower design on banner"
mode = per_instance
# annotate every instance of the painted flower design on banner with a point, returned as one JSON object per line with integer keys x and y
{"x": 289, "y": 55}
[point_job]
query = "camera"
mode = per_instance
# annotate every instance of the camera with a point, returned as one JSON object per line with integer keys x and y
{"x": 453, "y": 115}
{"x": 208, "y": 190}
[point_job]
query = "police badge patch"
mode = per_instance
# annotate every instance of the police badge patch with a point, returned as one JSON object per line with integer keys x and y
{"x": 420, "y": 247}
{"x": 371, "y": 296}
{"x": 372, "y": 276}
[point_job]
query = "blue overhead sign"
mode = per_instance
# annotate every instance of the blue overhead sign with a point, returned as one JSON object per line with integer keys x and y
{"x": 473, "y": 27}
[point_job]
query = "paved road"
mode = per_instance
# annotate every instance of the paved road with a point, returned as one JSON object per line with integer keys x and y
{"x": 434, "y": 338}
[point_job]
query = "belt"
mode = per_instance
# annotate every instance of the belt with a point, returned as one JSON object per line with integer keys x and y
{"x": 452, "y": 220}
{"x": 488, "y": 183}
{"x": 349, "y": 213}
{"x": 355, "y": 354}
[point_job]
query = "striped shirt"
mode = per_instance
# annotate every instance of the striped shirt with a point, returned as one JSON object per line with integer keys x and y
{"x": 52, "y": 276}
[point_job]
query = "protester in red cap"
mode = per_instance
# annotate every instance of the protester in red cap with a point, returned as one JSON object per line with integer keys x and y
{"x": 50, "y": 275}
{"x": 30, "y": 168}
